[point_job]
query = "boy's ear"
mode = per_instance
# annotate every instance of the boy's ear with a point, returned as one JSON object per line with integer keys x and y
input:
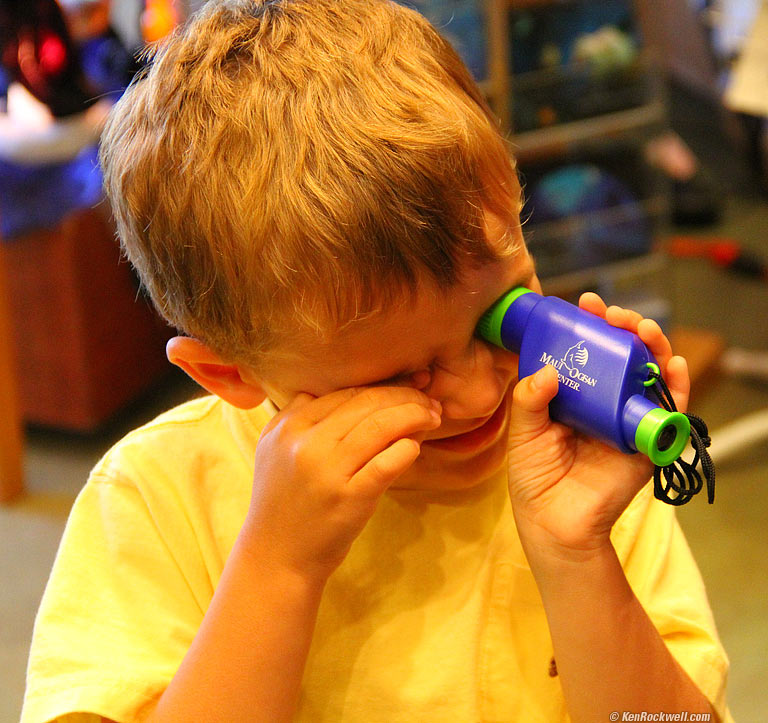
{"x": 214, "y": 374}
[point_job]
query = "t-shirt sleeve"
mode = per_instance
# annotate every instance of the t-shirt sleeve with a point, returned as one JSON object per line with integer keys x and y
{"x": 664, "y": 576}
{"x": 120, "y": 610}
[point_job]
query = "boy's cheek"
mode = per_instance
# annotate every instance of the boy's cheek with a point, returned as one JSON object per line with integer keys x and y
{"x": 505, "y": 361}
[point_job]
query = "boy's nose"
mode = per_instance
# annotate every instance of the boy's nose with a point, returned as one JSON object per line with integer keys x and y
{"x": 471, "y": 386}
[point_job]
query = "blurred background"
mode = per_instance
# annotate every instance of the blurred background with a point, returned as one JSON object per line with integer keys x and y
{"x": 641, "y": 133}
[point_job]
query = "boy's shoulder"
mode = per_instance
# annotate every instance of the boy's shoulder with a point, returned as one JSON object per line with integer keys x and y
{"x": 174, "y": 426}
{"x": 195, "y": 411}
{"x": 185, "y": 443}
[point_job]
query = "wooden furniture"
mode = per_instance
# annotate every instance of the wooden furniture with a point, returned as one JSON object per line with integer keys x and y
{"x": 87, "y": 341}
{"x": 11, "y": 437}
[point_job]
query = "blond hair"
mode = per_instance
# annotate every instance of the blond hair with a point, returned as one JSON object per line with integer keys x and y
{"x": 294, "y": 164}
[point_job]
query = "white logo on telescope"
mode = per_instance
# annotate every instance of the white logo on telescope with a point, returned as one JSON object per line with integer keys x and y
{"x": 576, "y": 356}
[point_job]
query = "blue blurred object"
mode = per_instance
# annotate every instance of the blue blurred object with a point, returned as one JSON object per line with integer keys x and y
{"x": 107, "y": 64}
{"x": 462, "y": 23}
{"x": 602, "y": 219}
{"x": 34, "y": 197}
{"x": 5, "y": 81}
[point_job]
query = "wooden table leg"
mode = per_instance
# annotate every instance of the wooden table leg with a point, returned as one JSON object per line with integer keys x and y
{"x": 11, "y": 434}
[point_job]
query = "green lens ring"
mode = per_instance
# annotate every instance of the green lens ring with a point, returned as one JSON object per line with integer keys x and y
{"x": 654, "y": 429}
{"x": 489, "y": 326}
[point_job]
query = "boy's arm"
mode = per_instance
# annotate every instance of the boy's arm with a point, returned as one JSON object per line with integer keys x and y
{"x": 321, "y": 466}
{"x": 567, "y": 492}
{"x": 610, "y": 657}
{"x": 247, "y": 659}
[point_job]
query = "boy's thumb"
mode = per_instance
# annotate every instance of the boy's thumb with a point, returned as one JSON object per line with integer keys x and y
{"x": 529, "y": 415}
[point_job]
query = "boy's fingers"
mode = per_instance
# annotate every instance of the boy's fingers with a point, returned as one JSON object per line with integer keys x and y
{"x": 654, "y": 338}
{"x": 592, "y": 303}
{"x": 379, "y": 430}
{"x": 678, "y": 381}
{"x": 623, "y": 318}
{"x": 389, "y": 464}
{"x": 647, "y": 329}
{"x": 298, "y": 402}
{"x": 365, "y": 404}
{"x": 529, "y": 413}
{"x": 312, "y": 409}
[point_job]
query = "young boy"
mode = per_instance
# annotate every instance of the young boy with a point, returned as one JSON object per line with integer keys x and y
{"x": 316, "y": 195}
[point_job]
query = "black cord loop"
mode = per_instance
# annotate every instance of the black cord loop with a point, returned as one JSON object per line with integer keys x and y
{"x": 681, "y": 479}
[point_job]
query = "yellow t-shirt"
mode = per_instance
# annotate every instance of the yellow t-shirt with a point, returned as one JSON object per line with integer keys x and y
{"x": 434, "y": 615}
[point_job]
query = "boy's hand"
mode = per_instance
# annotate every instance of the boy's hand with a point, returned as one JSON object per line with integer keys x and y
{"x": 568, "y": 490}
{"x": 322, "y": 464}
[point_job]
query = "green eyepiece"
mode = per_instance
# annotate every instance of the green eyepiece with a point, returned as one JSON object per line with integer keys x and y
{"x": 489, "y": 326}
{"x": 662, "y": 435}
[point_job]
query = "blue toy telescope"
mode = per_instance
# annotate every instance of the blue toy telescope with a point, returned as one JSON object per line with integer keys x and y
{"x": 603, "y": 372}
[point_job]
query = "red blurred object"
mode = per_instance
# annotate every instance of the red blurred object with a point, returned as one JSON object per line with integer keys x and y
{"x": 37, "y": 51}
{"x": 725, "y": 253}
{"x": 52, "y": 54}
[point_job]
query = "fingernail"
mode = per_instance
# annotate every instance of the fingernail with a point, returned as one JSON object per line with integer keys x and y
{"x": 436, "y": 406}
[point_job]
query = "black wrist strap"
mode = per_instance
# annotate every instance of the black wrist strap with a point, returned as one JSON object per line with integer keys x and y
{"x": 681, "y": 480}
